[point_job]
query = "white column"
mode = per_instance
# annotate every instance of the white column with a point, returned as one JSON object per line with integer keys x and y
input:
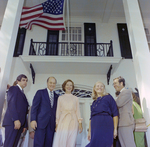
{"x": 8, "y": 34}
{"x": 141, "y": 55}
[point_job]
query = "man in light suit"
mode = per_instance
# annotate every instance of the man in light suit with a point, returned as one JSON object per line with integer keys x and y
{"x": 126, "y": 120}
{"x": 43, "y": 114}
{"x": 15, "y": 119}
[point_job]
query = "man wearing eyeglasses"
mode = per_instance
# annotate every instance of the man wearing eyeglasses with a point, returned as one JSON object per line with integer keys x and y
{"x": 126, "y": 120}
{"x": 43, "y": 114}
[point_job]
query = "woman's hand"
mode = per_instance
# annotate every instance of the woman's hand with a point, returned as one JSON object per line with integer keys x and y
{"x": 89, "y": 135}
{"x": 80, "y": 127}
{"x": 115, "y": 133}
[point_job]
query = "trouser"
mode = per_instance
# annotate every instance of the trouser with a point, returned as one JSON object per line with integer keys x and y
{"x": 12, "y": 136}
{"x": 1, "y": 141}
{"x": 43, "y": 137}
{"x": 126, "y": 136}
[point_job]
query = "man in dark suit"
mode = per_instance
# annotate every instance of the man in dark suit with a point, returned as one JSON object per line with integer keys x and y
{"x": 43, "y": 114}
{"x": 126, "y": 121}
{"x": 15, "y": 120}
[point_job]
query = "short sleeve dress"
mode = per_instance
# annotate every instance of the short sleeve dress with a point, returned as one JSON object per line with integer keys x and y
{"x": 102, "y": 112}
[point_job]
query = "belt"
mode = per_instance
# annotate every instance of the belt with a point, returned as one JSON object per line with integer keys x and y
{"x": 101, "y": 113}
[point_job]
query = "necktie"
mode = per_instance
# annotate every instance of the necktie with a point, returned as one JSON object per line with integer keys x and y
{"x": 51, "y": 98}
{"x": 22, "y": 91}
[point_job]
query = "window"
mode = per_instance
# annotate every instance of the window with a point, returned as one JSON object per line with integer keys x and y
{"x": 75, "y": 34}
{"x": 75, "y": 47}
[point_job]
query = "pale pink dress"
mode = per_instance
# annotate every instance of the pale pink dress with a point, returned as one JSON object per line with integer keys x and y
{"x": 67, "y": 118}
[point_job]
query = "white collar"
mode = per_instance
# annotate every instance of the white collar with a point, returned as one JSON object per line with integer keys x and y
{"x": 49, "y": 91}
{"x": 19, "y": 87}
{"x": 122, "y": 89}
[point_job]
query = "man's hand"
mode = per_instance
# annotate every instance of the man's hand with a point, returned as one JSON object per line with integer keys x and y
{"x": 56, "y": 127}
{"x": 24, "y": 129}
{"x": 33, "y": 125}
{"x": 17, "y": 124}
{"x": 31, "y": 134}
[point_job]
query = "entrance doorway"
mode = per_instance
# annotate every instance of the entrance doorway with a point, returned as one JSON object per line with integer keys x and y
{"x": 84, "y": 104}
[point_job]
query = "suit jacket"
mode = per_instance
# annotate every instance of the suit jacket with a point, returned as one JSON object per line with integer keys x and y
{"x": 124, "y": 103}
{"x": 41, "y": 110}
{"x": 17, "y": 107}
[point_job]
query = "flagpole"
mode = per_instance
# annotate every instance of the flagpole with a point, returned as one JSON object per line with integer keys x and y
{"x": 68, "y": 27}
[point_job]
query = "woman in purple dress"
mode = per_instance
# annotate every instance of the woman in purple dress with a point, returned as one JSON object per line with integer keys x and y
{"x": 104, "y": 118}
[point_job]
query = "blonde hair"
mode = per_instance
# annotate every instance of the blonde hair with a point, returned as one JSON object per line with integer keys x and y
{"x": 94, "y": 93}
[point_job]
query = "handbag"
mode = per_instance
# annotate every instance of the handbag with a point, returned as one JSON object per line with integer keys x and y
{"x": 140, "y": 125}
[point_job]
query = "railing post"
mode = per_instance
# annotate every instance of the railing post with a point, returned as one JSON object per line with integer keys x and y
{"x": 111, "y": 43}
{"x": 31, "y": 48}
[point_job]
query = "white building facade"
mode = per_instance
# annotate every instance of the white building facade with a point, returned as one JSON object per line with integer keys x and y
{"x": 84, "y": 70}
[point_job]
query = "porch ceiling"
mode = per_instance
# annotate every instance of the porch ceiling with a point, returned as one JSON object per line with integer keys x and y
{"x": 103, "y": 9}
{"x": 70, "y": 64}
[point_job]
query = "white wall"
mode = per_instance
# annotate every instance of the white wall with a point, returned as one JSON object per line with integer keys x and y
{"x": 38, "y": 34}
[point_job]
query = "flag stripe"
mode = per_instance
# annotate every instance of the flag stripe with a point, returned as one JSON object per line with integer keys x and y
{"x": 30, "y": 18}
{"x": 32, "y": 11}
{"x": 48, "y": 23}
{"x": 51, "y": 17}
{"x": 47, "y": 26}
{"x": 31, "y": 8}
{"x": 45, "y": 20}
{"x": 29, "y": 14}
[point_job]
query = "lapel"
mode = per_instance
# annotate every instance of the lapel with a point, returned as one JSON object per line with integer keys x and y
{"x": 23, "y": 95}
{"x": 55, "y": 100}
{"x": 46, "y": 95}
{"x": 119, "y": 96}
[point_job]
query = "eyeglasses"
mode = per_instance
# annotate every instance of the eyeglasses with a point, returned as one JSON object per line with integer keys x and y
{"x": 115, "y": 83}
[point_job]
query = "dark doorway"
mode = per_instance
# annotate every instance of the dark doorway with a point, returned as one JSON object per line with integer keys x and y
{"x": 52, "y": 42}
{"x": 124, "y": 41}
{"x": 90, "y": 39}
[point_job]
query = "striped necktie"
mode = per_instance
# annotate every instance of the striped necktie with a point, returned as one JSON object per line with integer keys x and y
{"x": 51, "y": 98}
{"x": 22, "y": 91}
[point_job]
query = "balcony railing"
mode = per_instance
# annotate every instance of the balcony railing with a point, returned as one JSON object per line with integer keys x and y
{"x": 71, "y": 49}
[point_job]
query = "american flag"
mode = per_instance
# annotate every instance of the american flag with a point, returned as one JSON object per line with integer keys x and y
{"x": 49, "y": 15}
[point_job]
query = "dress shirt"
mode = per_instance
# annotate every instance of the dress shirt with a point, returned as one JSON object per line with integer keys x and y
{"x": 20, "y": 88}
{"x": 51, "y": 93}
{"x": 122, "y": 89}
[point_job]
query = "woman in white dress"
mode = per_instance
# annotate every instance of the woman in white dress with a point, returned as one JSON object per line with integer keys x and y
{"x": 68, "y": 118}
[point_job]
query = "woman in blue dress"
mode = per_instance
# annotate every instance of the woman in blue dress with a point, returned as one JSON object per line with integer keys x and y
{"x": 104, "y": 118}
